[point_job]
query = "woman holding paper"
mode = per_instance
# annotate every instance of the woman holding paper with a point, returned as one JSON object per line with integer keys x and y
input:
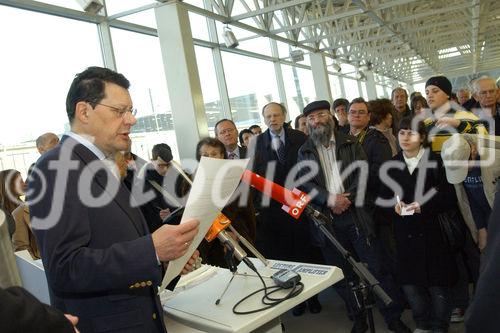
{"x": 425, "y": 267}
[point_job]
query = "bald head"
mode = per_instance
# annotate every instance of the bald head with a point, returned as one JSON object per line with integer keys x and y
{"x": 46, "y": 142}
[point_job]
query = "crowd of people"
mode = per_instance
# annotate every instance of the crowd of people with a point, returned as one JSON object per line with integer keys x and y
{"x": 389, "y": 173}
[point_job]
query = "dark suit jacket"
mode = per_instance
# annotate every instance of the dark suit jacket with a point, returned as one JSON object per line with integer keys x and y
{"x": 99, "y": 261}
{"x": 22, "y": 312}
{"x": 242, "y": 151}
{"x": 279, "y": 235}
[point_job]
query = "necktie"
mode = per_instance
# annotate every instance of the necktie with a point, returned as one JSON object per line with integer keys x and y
{"x": 280, "y": 149}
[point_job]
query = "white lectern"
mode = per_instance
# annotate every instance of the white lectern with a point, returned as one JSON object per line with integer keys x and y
{"x": 195, "y": 307}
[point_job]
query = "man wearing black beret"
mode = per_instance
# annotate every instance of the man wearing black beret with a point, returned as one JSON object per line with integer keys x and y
{"x": 333, "y": 153}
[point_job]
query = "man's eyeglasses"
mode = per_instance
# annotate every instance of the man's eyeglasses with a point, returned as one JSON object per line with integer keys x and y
{"x": 120, "y": 112}
{"x": 358, "y": 112}
{"x": 226, "y": 131}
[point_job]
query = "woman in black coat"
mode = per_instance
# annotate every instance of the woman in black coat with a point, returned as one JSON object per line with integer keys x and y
{"x": 425, "y": 266}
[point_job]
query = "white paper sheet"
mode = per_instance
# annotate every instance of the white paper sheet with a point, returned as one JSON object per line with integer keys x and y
{"x": 213, "y": 185}
{"x": 405, "y": 211}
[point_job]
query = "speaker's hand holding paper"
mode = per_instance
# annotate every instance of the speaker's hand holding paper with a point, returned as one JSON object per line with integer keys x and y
{"x": 172, "y": 241}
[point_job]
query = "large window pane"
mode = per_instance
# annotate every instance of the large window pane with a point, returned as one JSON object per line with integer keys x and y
{"x": 351, "y": 89}
{"x": 40, "y": 57}
{"x": 250, "y": 87}
{"x": 199, "y": 27}
{"x": 119, "y": 6}
{"x": 209, "y": 87}
{"x": 64, "y": 3}
{"x": 138, "y": 57}
{"x": 335, "y": 87}
{"x": 260, "y": 45}
{"x": 146, "y": 18}
{"x": 380, "y": 91}
{"x": 299, "y": 88}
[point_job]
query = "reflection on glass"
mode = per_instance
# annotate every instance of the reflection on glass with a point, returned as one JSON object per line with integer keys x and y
{"x": 250, "y": 87}
{"x": 209, "y": 87}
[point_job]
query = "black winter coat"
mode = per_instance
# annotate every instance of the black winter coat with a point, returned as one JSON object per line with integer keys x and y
{"x": 422, "y": 257}
{"x": 347, "y": 152}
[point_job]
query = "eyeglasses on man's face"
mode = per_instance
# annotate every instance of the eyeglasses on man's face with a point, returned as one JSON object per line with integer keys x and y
{"x": 229, "y": 130}
{"x": 358, "y": 112}
{"x": 121, "y": 112}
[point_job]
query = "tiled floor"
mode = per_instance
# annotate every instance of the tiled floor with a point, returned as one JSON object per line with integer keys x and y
{"x": 334, "y": 320}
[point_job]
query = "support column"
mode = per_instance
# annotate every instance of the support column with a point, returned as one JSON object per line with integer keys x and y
{"x": 108, "y": 54}
{"x": 342, "y": 89}
{"x": 371, "y": 89}
{"x": 183, "y": 81}
{"x": 360, "y": 89}
{"x": 279, "y": 77}
{"x": 320, "y": 77}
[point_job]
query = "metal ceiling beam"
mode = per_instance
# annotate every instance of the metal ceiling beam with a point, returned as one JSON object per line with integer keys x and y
{"x": 268, "y": 9}
{"x": 433, "y": 26}
{"x": 427, "y": 14}
{"x": 386, "y": 25}
{"x": 360, "y": 41}
{"x": 247, "y": 27}
{"x": 475, "y": 34}
{"x": 340, "y": 34}
{"x": 324, "y": 19}
{"x": 390, "y": 4}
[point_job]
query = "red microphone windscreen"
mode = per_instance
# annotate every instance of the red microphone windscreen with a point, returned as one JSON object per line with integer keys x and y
{"x": 294, "y": 202}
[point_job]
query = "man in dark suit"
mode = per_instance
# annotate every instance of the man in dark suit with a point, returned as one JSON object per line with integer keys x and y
{"x": 279, "y": 236}
{"x": 22, "y": 312}
{"x": 101, "y": 262}
{"x": 227, "y": 133}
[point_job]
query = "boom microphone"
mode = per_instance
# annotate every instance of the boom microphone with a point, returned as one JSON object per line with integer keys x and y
{"x": 294, "y": 202}
{"x": 217, "y": 230}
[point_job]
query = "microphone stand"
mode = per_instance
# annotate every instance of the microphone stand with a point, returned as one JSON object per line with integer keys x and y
{"x": 228, "y": 256}
{"x": 368, "y": 284}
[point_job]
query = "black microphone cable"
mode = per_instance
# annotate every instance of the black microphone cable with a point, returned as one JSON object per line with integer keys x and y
{"x": 267, "y": 300}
